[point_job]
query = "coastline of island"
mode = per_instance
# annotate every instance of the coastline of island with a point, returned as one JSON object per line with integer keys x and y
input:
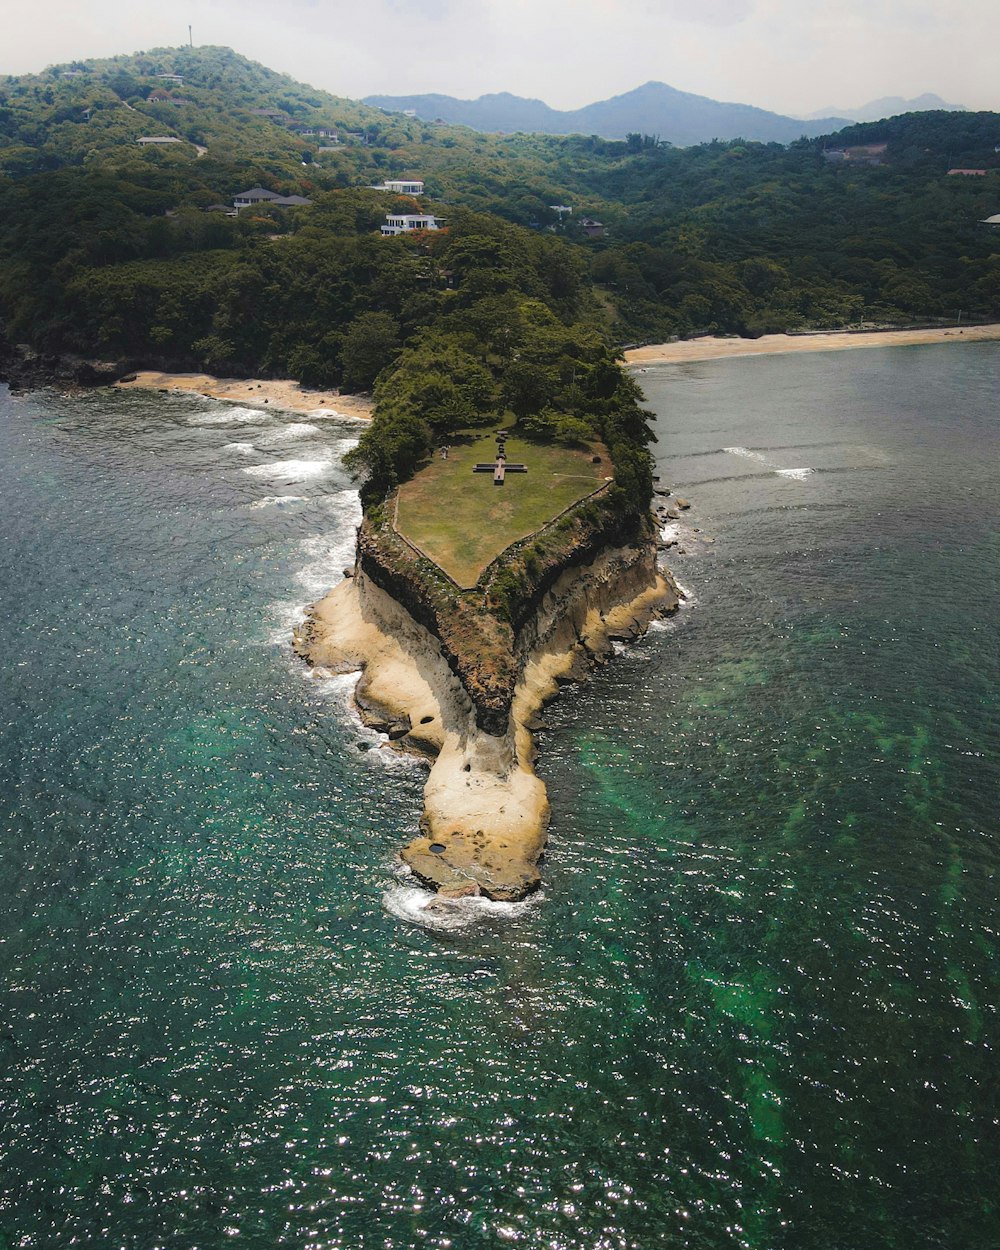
{"x": 714, "y": 347}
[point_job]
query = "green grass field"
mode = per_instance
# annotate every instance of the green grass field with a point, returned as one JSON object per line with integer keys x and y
{"x": 462, "y": 521}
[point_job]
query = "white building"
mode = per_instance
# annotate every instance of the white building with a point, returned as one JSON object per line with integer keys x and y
{"x": 401, "y": 186}
{"x": 400, "y": 223}
{"x": 157, "y": 139}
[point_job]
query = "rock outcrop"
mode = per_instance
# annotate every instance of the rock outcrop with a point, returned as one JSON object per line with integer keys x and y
{"x": 485, "y": 813}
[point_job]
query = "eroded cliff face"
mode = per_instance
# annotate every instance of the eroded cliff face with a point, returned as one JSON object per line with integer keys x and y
{"x": 482, "y": 633}
{"x": 485, "y": 811}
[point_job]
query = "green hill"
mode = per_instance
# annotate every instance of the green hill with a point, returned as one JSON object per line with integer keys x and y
{"x": 106, "y": 246}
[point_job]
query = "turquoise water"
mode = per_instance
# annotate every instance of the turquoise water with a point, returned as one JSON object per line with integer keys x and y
{"x": 756, "y": 1004}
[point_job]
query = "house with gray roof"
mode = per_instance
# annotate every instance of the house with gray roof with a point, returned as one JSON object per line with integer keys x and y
{"x": 259, "y": 195}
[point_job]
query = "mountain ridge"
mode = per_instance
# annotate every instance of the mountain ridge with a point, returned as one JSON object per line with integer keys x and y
{"x": 680, "y": 117}
{"x": 890, "y": 106}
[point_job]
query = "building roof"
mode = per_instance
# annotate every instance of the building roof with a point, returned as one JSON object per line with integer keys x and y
{"x": 259, "y": 195}
{"x": 969, "y": 173}
{"x": 991, "y": 221}
{"x": 158, "y": 139}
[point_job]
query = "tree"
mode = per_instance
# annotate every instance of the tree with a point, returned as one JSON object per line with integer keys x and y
{"x": 371, "y": 343}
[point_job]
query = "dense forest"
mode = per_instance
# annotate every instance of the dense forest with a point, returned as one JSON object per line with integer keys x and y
{"x": 113, "y": 248}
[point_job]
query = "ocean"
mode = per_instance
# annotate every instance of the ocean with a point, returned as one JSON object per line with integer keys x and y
{"x": 755, "y": 1004}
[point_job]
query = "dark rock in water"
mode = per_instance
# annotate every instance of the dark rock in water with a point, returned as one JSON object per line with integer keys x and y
{"x": 682, "y": 503}
{"x": 671, "y": 514}
{"x": 399, "y": 729}
{"x": 129, "y": 377}
{"x": 348, "y": 572}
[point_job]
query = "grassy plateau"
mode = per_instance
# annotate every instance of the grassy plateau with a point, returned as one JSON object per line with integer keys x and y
{"x": 462, "y": 521}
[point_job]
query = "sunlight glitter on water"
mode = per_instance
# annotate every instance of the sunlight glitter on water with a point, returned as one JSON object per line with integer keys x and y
{"x": 758, "y": 1007}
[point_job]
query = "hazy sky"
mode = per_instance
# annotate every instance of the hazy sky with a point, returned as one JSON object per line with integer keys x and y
{"x": 792, "y": 56}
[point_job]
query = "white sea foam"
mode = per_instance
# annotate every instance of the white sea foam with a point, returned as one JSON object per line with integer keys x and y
{"x": 245, "y": 449}
{"x": 418, "y": 906}
{"x": 338, "y": 690}
{"x": 228, "y": 416}
{"x": 319, "y": 561}
{"x": 291, "y": 470}
{"x": 276, "y": 501}
{"x": 671, "y": 532}
{"x": 323, "y": 559}
{"x": 294, "y": 429}
{"x": 798, "y": 474}
{"x": 687, "y": 596}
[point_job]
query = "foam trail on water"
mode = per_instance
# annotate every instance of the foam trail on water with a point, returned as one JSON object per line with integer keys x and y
{"x": 245, "y": 449}
{"x": 418, "y": 906}
{"x": 292, "y": 470}
{"x": 747, "y": 454}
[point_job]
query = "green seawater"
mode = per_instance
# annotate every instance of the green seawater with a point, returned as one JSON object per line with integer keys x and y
{"x": 756, "y": 1002}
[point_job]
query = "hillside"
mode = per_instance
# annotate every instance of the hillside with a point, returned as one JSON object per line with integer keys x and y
{"x": 107, "y": 247}
{"x": 677, "y": 117}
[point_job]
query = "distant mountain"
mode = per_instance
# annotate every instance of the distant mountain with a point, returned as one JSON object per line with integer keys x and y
{"x": 655, "y": 109}
{"x": 891, "y": 106}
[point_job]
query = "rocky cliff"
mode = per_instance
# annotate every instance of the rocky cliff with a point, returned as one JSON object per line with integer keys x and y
{"x": 485, "y": 811}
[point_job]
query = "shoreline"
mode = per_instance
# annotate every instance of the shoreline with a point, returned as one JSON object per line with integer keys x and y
{"x": 485, "y": 811}
{"x": 279, "y": 393}
{"x": 716, "y": 348}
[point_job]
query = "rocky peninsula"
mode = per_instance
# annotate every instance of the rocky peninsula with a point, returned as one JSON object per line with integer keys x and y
{"x": 470, "y": 706}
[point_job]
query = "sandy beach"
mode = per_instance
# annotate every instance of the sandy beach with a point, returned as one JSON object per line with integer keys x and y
{"x": 255, "y": 392}
{"x": 713, "y": 348}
